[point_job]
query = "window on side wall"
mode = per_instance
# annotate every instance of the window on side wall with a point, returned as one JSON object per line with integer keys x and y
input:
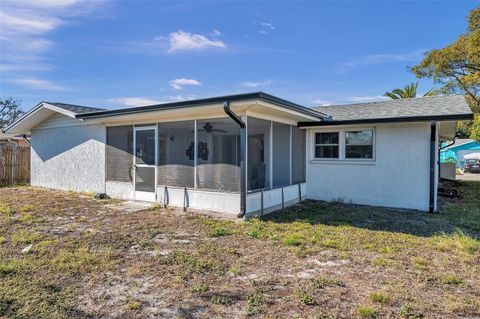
{"x": 359, "y": 144}
{"x": 326, "y": 145}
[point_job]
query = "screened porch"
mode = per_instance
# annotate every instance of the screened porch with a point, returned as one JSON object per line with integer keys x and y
{"x": 198, "y": 164}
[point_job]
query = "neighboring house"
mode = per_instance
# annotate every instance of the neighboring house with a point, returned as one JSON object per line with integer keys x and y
{"x": 246, "y": 154}
{"x": 458, "y": 150}
{"x": 13, "y": 140}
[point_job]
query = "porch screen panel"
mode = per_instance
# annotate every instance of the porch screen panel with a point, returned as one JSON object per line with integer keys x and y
{"x": 175, "y": 154}
{"x": 258, "y": 168}
{"x": 218, "y": 162}
{"x": 281, "y": 154}
{"x": 119, "y": 153}
{"x": 298, "y": 155}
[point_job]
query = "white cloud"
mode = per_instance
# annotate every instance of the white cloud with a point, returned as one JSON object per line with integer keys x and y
{"x": 367, "y": 98}
{"x": 251, "y": 84}
{"x": 387, "y": 58}
{"x": 265, "y": 27}
{"x": 134, "y": 101}
{"x": 184, "y": 41}
{"x": 25, "y": 26}
{"x": 178, "y": 84}
{"x": 37, "y": 84}
{"x": 26, "y": 22}
{"x": 216, "y": 33}
{"x": 322, "y": 102}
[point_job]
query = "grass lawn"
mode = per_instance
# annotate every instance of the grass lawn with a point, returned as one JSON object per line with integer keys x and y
{"x": 67, "y": 255}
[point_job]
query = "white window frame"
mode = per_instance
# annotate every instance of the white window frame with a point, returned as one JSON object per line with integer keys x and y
{"x": 342, "y": 146}
{"x": 315, "y": 146}
{"x": 345, "y": 144}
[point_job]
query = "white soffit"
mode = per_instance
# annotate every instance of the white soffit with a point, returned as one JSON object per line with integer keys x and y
{"x": 34, "y": 117}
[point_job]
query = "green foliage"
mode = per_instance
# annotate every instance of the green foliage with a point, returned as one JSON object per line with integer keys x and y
{"x": 408, "y": 91}
{"x": 221, "y": 300}
{"x": 381, "y": 297}
{"x": 254, "y": 303}
{"x": 134, "y": 305}
{"x": 220, "y": 232}
{"x": 367, "y": 312}
{"x": 199, "y": 288}
{"x": 25, "y": 237}
{"x": 450, "y": 160}
{"x": 407, "y": 311}
{"x": 293, "y": 240}
{"x": 456, "y": 67}
{"x": 322, "y": 282}
{"x": 452, "y": 280}
{"x": 457, "y": 242}
{"x": 305, "y": 298}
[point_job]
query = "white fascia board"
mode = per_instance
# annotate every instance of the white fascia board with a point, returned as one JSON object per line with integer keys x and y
{"x": 33, "y": 117}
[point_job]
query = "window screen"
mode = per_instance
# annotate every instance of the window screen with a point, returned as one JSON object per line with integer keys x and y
{"x": 119, "y": 153}
{"x": 298, "y": 155}
{"x": 359, "y": 144}
{"x": 175, "y": 154}
{"x": 281, "y": 154}
{"x": 258, "y": 153}
{"x": 218, "y": 163}
{"x": 326, "y": 145}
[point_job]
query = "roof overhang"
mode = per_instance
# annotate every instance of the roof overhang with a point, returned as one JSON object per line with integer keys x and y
{"x": 238, "y": 102}
{"x": 267, "y": 108}
{"x": 35, "y": 116}
{"x": 451, "y": 117}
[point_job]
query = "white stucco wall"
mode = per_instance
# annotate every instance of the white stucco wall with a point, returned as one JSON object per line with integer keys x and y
{"x": 398, "y": 176}
{"x": 68, "y": 156}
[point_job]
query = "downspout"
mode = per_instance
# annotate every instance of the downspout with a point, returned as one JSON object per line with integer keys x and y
{"x": 241, "y": 124}
{"x": 26, "y": 139}
{"x": 433, "y": 135}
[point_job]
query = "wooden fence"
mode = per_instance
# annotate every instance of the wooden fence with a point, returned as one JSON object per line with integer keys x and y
{"x": 14, "y": 165}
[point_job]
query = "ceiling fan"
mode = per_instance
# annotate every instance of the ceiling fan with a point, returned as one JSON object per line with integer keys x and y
{"x": 209, "y": 129}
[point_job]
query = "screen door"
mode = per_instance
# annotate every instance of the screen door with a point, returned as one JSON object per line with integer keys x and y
{"x": 145, "y": 160}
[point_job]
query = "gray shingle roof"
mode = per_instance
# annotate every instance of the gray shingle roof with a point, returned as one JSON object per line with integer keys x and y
{"x": 423, "y": 106}
{"x": 78, "y": 109}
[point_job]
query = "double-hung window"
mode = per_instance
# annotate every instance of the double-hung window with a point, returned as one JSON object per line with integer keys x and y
{"x": 359, "y": 144}
{"x": 327, "y": 145}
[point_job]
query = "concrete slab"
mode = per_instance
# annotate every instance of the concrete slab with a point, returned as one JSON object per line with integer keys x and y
{"x": 132, "y": 206}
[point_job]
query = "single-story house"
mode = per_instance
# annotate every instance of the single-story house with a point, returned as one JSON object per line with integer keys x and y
{"x": 457, "y": 149}
{"x": 246, "y": 154}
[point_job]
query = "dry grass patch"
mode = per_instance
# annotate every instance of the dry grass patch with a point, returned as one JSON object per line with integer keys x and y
{"x": 314, "y": 260}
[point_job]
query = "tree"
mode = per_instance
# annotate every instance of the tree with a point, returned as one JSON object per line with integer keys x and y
{"x": 456, "y": 68}
{"x": 9, "y": 111}
{"x": 408, "y": 91}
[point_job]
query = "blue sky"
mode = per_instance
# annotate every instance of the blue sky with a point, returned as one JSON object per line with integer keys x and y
{"x": 125, "y": 53}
